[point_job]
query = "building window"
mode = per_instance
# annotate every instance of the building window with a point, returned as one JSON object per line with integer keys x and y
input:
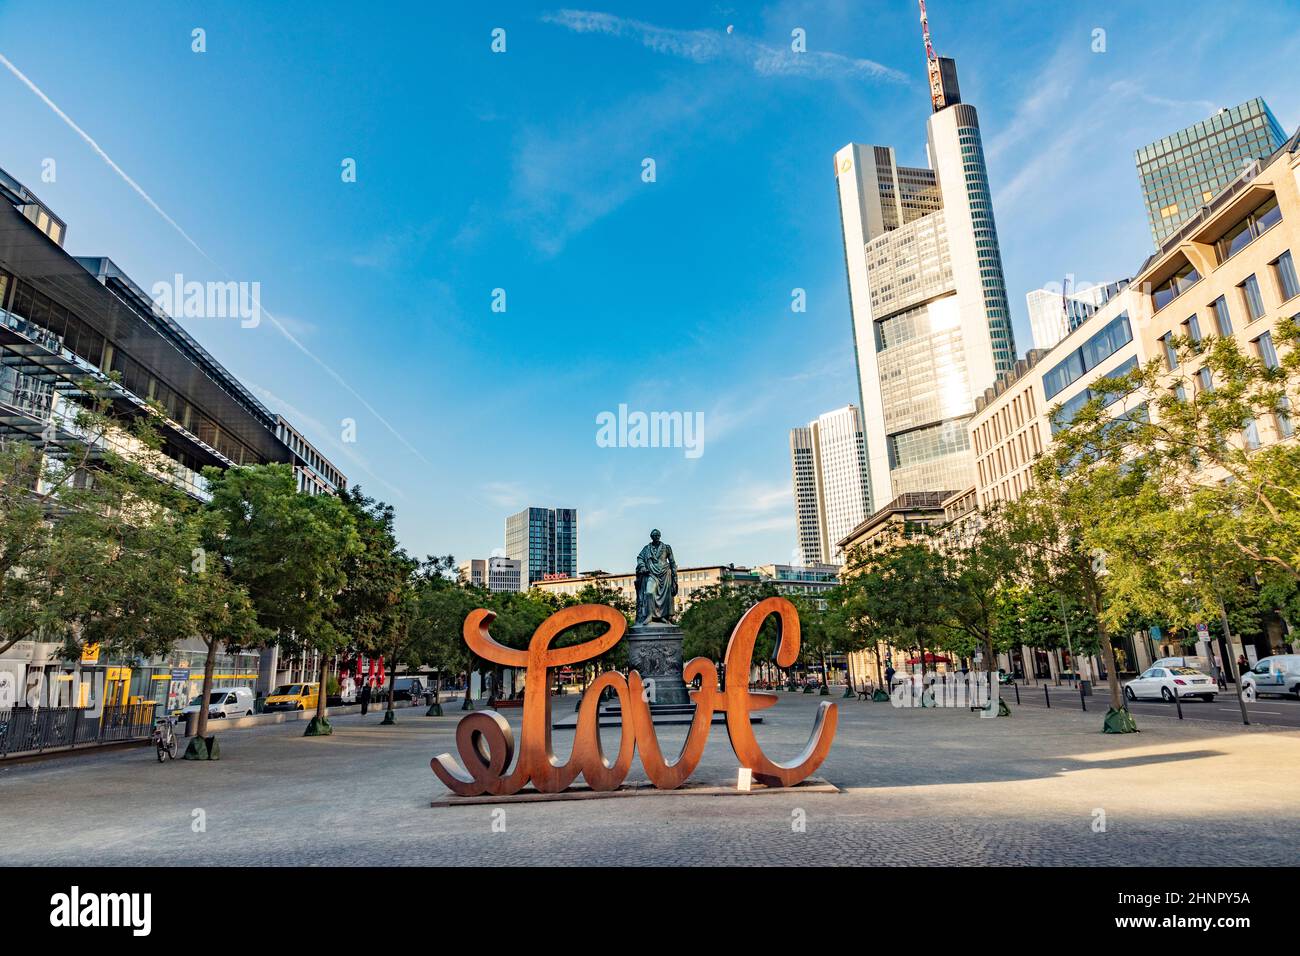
{"x": 1171, "y": 354}
{"x": 1250, "y": 434}
{"x": 1282, "y": 418}
{"x": 1287, "y": 282}
{"x": 1267, "y": 352}
{"x": 1246, "y": 231}
{"x": 1175, "y": 285}
{"x": 1254, "y": 301}
{"x": 1204, "y": 380}
{"x": 1222, "y": 318}
{"x": 1192, "y": 329}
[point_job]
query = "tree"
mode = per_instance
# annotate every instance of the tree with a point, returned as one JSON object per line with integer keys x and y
{"x": 975, "y": 575}
{"x": 897, "y": 594}
{"x": 286, "y": 549}
{"x": 93, "y": 534}
{"x": 375, "y": 603}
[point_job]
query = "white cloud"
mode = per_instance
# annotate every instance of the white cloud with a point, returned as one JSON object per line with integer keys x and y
{"x": 712, "y": 46}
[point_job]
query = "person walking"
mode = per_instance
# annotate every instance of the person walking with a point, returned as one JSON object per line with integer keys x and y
{"x": 889, "y": 677}
{"x": 1217, "y": 672}
{"x": 365, "y": 698}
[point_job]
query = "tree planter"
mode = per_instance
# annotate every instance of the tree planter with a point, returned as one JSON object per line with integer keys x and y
{"x": 390, "y": 717}
{"x": 203, "y": 748}
{"x": 1119, "y": 722}
{"x": 318, "y": 727}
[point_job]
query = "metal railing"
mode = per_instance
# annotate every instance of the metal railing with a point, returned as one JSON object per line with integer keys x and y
{"x": 24, "y": 730}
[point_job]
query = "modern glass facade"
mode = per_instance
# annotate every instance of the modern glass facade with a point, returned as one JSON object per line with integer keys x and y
{"x": 544, "y": 541}
{"x": 1183, "y": 171}
{"x": 931, "y": 321}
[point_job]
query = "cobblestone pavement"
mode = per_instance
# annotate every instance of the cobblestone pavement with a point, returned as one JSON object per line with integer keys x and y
{"x": 920, "y": 787}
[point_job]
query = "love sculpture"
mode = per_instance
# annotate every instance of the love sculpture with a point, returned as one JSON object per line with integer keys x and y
{"x": 486, "y": 742}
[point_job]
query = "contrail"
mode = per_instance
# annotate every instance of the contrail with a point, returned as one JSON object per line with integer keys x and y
{"x": 99, "y": 151}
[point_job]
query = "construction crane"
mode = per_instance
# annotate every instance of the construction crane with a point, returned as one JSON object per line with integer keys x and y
{"x": 932, "y": 64}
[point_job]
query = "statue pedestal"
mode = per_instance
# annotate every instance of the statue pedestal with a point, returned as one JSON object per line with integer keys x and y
{"x": 655, "y": 652}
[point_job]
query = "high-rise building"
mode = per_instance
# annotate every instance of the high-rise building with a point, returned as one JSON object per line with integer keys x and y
{"x": 544, "y": 541}
{"x": 828, "y": 459}
{"x": 931, "y": 323}
{"x": 1054, "y": 315}
{"x": 494, "y": 573}
{"x": 1183, "y": 171}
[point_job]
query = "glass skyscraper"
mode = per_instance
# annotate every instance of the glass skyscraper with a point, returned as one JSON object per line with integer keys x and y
{"x": 931, "y": 321}
{"x": 545, "y": 542}
{"x": 1183, "y": 171}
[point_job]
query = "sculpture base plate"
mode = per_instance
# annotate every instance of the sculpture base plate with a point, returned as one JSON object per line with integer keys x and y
{"x": 639, "y": 788}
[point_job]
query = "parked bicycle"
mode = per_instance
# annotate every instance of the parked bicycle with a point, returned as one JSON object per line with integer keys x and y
{"x": 164, "y": 738}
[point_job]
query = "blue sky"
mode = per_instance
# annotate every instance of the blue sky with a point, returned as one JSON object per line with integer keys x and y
{"x": 522, "y": 171}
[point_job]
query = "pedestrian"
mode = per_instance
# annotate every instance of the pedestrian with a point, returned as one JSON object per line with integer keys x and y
{"x": 1243, "y": 664}
{"x": 889, "y": 676}
{"x": 365, "y": 698}
{"x": 1217, "y": 672}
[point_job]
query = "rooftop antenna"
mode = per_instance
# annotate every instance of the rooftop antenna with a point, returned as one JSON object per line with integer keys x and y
{"x": 932, "y": 64}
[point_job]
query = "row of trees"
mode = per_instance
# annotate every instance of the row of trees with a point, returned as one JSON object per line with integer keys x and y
{"x": 98, "y": 546}
{"x": 1172, "y": 497}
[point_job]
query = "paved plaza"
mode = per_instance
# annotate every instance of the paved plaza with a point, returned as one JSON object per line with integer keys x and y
{"x": 920, "y": 787}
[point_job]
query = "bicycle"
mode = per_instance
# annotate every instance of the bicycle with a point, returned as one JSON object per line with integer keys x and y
{"x": 164, "y": 738}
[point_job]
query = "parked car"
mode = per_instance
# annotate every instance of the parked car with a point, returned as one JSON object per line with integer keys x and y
{"x": 1165, "y": 682}
{"x": 1202, "y": 664}
{"x": 223, "y": 702}
{"x": 408, "y": 688}
{"x": 1274, "y": 675}
{"x": 292, "y": 697}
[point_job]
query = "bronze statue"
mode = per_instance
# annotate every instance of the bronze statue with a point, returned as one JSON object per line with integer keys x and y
{"x": 656, "y": 582}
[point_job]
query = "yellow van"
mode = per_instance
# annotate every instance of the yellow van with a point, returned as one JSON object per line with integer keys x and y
{"x": 292, "y": 697}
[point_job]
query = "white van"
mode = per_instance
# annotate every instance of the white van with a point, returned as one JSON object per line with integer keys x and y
{"x": 225, "y": 702}
{"x": 1279, "y": 674}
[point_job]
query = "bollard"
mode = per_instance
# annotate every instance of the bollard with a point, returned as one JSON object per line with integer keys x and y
{"x": 1083, "y": 703}
{"x": 1017, "y": 687}
{"x": 1178, "y": 702}
{"x": 1047, "y": 697}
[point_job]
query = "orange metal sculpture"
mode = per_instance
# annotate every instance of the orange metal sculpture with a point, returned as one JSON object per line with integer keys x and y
{"x": 485, "y": 741}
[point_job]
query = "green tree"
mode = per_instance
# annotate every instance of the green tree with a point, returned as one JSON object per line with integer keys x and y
{"x": 376, "y": 602}
{"x": 287, "y": 550}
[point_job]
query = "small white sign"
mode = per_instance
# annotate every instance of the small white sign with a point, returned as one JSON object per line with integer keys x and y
{"x": 745, "y": 780}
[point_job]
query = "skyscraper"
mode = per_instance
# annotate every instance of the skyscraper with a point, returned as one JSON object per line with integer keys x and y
{"x": 544, "y": 541}
{"x": 931, "y": 323}
{"x": 1181, "y": 172}
{"x": 832, "y": 495}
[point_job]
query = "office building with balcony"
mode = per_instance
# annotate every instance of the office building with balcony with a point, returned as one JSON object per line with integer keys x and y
{"x": 931, "y": 321}
{"x": 545, "y": 543}
{"x": 831, "y": 489}
{"x": 1183, "y": 171}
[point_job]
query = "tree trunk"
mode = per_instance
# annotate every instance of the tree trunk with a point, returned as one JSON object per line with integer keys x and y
{"x": 209, "y": 666}
{"x": 322, "y": 707}
{"x": 392, "y": 683}
{"x": 1108, "y": 658}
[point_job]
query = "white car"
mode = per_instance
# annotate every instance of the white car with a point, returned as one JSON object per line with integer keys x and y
{"x": 225, "y": 702}
{"x": 1166, "y": 682}
{"x": 1279, "y": 674}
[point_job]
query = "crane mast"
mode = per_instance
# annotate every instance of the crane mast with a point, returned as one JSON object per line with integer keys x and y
{"x": 932, "y": 64}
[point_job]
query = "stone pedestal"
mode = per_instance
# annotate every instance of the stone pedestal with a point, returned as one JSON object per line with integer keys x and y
{"x": 655, "y": 652}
